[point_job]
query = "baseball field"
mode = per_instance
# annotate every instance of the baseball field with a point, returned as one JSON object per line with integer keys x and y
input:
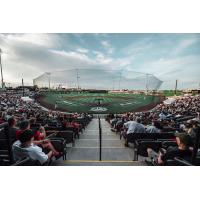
{"x": 98, "y": 102}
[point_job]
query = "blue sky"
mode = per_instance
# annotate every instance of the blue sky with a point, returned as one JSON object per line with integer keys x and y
{"x": 167, "y": 56}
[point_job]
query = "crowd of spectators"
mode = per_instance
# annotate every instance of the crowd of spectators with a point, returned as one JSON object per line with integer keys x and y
{"x": 181, "y": 116}
{"x": 162, "y": 117}
{"x": 28, "y": 122}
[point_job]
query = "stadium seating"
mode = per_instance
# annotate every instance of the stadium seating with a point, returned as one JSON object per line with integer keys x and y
{"x": 6, "y": 157}
{"x": 131, "y": 138}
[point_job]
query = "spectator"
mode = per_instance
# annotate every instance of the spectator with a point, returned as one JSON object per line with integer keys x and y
{"x": 1, "y": 118}
{"x": 12, "y": 129}
{"x": 24, "y": 147}
{"x": 39, "y": 137}
{"x": 191, "y": 131}
{"x": 155, "y": 128}
{"x": 182, "y": 150}
{"x": 133, "y": 127}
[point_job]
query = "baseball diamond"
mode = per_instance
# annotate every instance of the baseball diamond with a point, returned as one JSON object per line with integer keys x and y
{"x": 98, "y": 103}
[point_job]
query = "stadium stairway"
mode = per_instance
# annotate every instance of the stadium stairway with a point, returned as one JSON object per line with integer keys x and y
{"x": 86, "y": 150}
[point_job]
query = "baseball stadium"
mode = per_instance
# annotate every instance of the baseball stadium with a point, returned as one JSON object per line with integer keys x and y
{"x": 98, "y": 109}
{"x": 99, "y": 93}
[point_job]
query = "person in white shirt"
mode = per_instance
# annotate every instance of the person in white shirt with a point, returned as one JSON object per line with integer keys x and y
{"x": 130, "y": 126}
{"x": 24, "y": 147}
{"x": 133, "y": 127}
{"x": 154, "y": 128}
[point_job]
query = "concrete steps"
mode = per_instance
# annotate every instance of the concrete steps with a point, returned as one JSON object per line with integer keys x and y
{"x": 86, "y": 150}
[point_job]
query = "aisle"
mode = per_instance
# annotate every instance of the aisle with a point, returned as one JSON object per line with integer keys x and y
{"x": 86, "y": 150}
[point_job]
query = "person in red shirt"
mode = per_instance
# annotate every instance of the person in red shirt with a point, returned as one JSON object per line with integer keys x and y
{"x": 39, "y": 137}
{"x": 73, "y": 124}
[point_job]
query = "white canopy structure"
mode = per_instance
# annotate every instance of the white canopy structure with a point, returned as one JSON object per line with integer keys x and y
{"x": 26, "y": 99}
{"x": 169, "y": 101}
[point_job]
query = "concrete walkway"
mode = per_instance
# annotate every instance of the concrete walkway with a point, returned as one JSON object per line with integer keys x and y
{"x": 86, "y": 150}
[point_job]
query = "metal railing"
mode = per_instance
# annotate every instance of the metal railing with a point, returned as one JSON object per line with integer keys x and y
{"x": 100, "y": 139}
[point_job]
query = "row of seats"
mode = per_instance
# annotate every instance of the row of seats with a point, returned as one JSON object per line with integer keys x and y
{"x": 59, "y": 137}
{"x": 143, "y": 142}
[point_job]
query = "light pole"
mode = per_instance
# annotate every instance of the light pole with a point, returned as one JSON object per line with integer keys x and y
{"x": 2, "y": 83}
{"x": 120, "y": 78}
{"x": 77, "y": 79}
{"x": 147, "y": 83}
{"x": 49, "y": 79}
{"x": 175, "y": 91}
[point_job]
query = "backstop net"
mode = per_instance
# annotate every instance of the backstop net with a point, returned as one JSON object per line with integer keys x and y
{"x": 98, "y": 79}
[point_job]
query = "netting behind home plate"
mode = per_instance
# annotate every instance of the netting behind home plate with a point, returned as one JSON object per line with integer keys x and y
{"x": 98, "y": 79}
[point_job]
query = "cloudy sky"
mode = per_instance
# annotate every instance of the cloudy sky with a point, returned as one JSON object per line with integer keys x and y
{"x": 167, "y": 56}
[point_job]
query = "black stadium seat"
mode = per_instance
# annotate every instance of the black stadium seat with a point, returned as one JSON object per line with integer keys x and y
{"x": 140, "y": 147}
{"x": 136, "y": 136}
{"x": 6, "y": 157}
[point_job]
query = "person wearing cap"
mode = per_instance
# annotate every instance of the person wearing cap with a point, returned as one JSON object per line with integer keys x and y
{"x": 24, "y": 147}
{"x": 182, "y": 150}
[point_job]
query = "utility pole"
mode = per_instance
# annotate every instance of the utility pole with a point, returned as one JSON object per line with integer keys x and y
{"x": 2, "y": 82}
{"x": 147, "y": 83}
{"x": 120, "y": 78}
{"x": 77, "y": 78}
{"x": 113, "y": 79}
{"x": 175, "y": 91}
{"x": 23, "y": 86}
{"x": 49, "y": 79}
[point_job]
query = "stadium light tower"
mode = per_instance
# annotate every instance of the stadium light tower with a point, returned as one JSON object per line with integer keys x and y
{"x": 2, "y": 82}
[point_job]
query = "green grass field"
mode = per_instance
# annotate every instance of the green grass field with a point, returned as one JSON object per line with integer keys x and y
{"x": 89, "y": 102}
{"x": 169, "y": 93}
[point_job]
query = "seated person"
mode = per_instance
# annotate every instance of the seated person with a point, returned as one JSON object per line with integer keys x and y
{"x": 12, "y": 129}
{"x": 70, "y": 122}
{"x": 182, "y": 150}
{"x": 154, "y": 128}
{"x": 132, "y": 127}
{"x": 39, "y": 137}
{"x": 2, "y": 118}
{"x": 24, "y": 147}
{"x": 120, "y": 123}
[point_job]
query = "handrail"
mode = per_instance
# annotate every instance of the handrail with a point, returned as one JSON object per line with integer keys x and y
{"x": 100, "y": 139}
